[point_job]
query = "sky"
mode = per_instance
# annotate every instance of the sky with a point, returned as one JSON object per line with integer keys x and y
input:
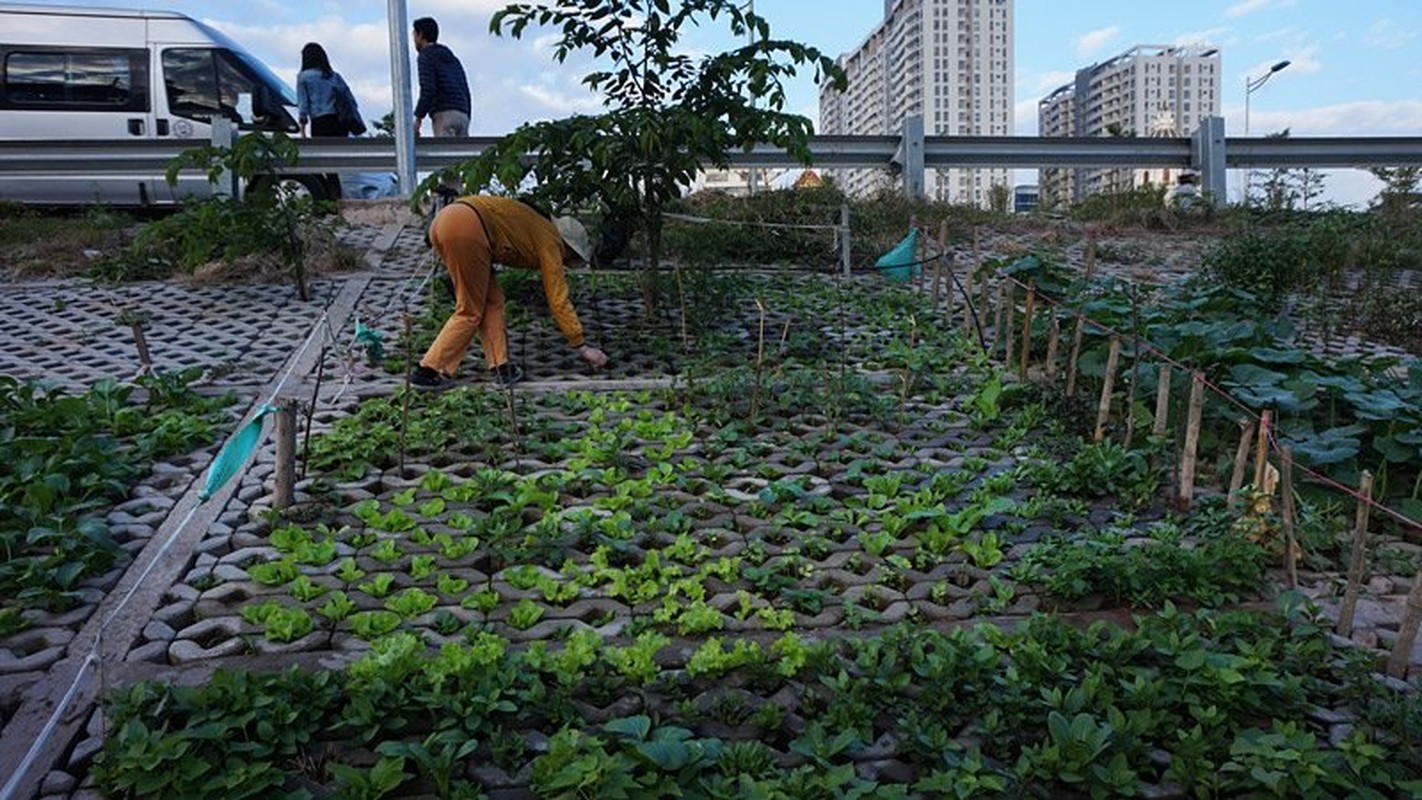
{"x": 1356, "y": 67}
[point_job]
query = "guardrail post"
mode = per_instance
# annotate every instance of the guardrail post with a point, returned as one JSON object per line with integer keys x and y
{"x": 1207, "y": 156}
{"x": 911, "y": 150}
{"x": 224, "y": 137}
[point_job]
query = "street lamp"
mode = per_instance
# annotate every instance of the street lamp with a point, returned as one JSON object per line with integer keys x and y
{"x": 1251, "y": 84}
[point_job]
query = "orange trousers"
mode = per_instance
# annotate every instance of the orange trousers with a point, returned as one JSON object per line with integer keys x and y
{"x": 457, "y": 235}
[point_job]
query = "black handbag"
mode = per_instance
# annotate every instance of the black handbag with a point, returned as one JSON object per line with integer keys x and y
{"x": 348, "y": 111}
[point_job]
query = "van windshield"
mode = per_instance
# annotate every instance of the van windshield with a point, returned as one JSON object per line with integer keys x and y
{"x": 202, "y": 82}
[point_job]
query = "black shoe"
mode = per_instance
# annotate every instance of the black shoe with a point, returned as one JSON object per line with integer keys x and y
{"x": 429, "y": 380}
{"x": 506, "y": 375}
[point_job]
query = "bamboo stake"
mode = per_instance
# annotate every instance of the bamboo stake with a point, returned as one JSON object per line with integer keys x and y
{"x": 938, "y": 269}
{"x": 977, "y": 266}
{"x": 1055, "y": 328}
{"x": 1261, "y": 452}
{"x": 1359, "y": 555}
{"x": 1407, "y": 634}
{"x": 1162, "y": 400}
{"x": 967, "y": 302}
{"x": 1074, "y": 357}
{"x": 1192, "y": 443}
{"x": 1286, "y": 478}
{"x": 921, "y": 259}
{"x": 1241, "y": 457}
{"x": 1103, "y": 408}
{"x": 937, "y": 278}
{"x": 1090, "y": 255}
{"x": 949, "y": 260}
{"x": 140, "y": 341}
{"x": 1009, "y": 311}
{"x": 1027, "y": 329}
{"x": 997, "y": 312}
{"x": 285, "y": 492}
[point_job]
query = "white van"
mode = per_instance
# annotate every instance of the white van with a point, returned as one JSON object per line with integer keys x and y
{"x": 69, "y": 73}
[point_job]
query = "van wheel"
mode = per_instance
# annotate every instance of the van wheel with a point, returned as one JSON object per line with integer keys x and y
{"x": 289, "y": 187}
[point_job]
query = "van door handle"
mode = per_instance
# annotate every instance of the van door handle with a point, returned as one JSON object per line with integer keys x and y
{"x": 135, "y": 127}
{"x": 162, "y": 126}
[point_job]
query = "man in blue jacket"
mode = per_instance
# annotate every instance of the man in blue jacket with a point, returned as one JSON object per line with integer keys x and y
{"x": 444, "y": 91}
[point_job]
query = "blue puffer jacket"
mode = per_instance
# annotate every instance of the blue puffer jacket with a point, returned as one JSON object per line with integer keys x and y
{"x": 443, "y": 86}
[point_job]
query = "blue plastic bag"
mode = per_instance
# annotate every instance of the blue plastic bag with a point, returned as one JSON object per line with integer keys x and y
{"x": 901, "y": 263}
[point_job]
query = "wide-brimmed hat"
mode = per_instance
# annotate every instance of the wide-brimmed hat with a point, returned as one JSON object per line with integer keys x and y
{"x": 575, "y": 236}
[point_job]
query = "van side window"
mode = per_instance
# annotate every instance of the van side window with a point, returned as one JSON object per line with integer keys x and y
{"x": 204, "y": 82}
{"x": 75, "y": 79}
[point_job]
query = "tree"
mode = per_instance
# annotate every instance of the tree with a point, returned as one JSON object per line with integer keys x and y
{"x": 669, "y": 114}
{"x": 1400, "y": 187}
{"x": 1285, "y": 189}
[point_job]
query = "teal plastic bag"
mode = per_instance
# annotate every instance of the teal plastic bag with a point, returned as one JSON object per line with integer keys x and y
{"x": 901, "y": 263}
{"x": 235, "y": 454}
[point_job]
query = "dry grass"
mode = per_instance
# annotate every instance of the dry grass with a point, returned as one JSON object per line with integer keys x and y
{"x": 34, "y": 245}
{"x": 324, "y": 256}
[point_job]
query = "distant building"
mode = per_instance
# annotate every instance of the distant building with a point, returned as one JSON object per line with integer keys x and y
{"x": 947, "y": 61}
{"x": 1024, "y": 198}
{"x": 738, "y": 182}
{"x": 1149, "y": 90}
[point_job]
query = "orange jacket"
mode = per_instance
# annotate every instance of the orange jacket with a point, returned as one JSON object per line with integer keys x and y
{"x": 520, "y": 237}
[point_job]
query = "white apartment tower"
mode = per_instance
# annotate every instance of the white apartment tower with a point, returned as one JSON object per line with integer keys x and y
{"x": 1149, "y": 90}
{"x": 947, "y": 61}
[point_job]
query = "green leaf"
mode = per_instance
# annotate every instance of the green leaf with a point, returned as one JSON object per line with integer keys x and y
{"x": 665, "y": 754}
{"x": 634, "y": 727}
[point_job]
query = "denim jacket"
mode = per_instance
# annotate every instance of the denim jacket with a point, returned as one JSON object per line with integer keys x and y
{"x": 316, "y": 94}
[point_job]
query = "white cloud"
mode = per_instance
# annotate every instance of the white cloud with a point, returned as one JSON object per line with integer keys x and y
{"x": 1250, "y": 6}
{"x": 557, "y": 104}
{"x": 1089, "y": 43}
{"x": 1045, "y": 83}
{"x": 1212, "y": 36}
{"x": 1247, "y": 7}
{"x": 1386, "y": 35}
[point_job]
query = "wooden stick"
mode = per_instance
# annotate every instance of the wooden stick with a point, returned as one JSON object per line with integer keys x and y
{"x": 1359, "y": 556}
{"x": 949, "y": 260}
{"x": 1407, "y": 634}
{"x": 1241, "y": 457}
{"x": 140, "y": 341}
{"x": 937, "y": 278}
{"x": 1192, "y": 443}
{"x": 1090, "y": 255}
{"x": 1291, "y": 550}
{"x": 1075, "y": 356}
{"x": 977, "y": 266}
{"x": 1261, "y": 451}
{"x": 1009, "y": 311}
{"x": 938, "y": 262}
{"x": 1162, "y": 400}
{"x": 1108, "y": 386}
{"x": 1055, "y": 326}
{"x": 285, "y": 493}
{"x": 1027, "y": 329}
{"x": 967, "y": 302}
{"x": 997, "y": 312}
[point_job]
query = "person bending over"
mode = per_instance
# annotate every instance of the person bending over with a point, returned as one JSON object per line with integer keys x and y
{"x": 469, "y": 235}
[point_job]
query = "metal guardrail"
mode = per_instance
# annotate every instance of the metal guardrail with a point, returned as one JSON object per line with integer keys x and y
{"x": 1208, "y": 151}
{"x": 1020, "y": 152}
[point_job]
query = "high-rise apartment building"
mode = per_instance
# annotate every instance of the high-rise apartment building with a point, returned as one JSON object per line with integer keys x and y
{"x": 1149, "y": 90}
{"x": 947, "y": 61}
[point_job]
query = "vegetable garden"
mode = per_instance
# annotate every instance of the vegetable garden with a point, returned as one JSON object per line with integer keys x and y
{"x": 831, "y": 548}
